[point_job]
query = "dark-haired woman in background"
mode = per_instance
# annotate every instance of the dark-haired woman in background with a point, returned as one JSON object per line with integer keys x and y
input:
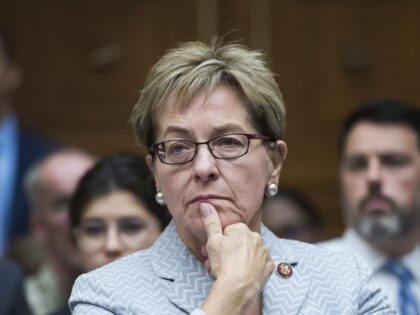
{"x": 113, "y": 212}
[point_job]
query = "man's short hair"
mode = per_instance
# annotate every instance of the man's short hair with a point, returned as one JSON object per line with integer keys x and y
{"x": 381, "y": 112}
{"x": 33, "y": 181}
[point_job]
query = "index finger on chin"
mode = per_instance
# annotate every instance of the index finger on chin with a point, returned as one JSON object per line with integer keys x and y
{"x": 211, "y": 220}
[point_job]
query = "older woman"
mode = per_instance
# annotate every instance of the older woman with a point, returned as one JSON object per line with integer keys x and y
{"x": 213, "y": 119}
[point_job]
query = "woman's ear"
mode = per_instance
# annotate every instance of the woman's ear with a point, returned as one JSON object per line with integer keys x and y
{"x": 278, "y": 158}
{"x": 150, "y": 163}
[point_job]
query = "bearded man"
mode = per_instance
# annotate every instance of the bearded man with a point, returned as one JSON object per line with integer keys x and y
{"x": 380, "y": 182}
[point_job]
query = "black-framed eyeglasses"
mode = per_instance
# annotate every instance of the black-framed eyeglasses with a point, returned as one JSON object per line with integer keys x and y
{"x": 229, "y": 146}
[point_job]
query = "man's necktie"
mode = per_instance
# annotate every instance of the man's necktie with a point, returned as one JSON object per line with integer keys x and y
{"x": 407, "y": 300}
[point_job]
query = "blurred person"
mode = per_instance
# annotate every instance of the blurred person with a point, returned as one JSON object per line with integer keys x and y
{"x": 380, "y": 183}
{"x": 50, "y": 184}
{"x": 213, "y": 118}
{"x": 12, "y": 297}
{"x": 19, "y": 149}
{"x": 290, "y": 214}
{"x": 18, "y": 252}
{"x": 113, "y": 212}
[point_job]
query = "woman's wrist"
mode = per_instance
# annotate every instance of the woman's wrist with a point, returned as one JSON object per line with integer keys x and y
{"x": 245, "y": 287}
{"x": 229, "y": 296}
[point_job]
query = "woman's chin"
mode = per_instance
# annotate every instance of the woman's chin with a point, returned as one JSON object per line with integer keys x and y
{"x": 195, "y": 227}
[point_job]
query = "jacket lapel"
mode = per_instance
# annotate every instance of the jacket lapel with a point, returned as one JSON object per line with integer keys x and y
{"x": 284, "y": 295}
{"x": 190, "y": 283}
{"x": 192, "y": 286}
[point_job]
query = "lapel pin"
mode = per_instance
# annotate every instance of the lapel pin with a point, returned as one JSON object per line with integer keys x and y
{"x": 284, "y": 270}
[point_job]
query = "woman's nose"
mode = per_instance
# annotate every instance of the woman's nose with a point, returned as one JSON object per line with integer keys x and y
{"x": 113, "y": 244}
{"x": 205, "y": 165}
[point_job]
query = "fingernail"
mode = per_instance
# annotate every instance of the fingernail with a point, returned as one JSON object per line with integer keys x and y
{"x": 205, "y": 210}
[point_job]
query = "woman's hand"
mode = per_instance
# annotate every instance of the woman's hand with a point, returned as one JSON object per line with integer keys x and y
{"x": 239, "y": 261}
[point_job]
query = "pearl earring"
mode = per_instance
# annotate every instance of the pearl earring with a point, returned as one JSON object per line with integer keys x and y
{"x": 160, "y": 199}
{"x": 271, "y": 189}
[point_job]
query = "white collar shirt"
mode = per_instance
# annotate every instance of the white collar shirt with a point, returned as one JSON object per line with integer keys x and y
{"x": 351, "y": 241}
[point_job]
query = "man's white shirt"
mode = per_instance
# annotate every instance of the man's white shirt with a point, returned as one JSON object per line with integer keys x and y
{"x": 350, "y": 241}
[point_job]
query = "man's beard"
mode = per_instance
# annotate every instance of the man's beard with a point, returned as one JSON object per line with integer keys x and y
{"x": 381, "y": 229}
{"x": 384, "y": 227}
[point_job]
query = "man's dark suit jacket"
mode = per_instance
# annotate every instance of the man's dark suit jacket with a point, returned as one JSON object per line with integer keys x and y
{"x": 12, "y": 299}
{"x": 32, "y": 147}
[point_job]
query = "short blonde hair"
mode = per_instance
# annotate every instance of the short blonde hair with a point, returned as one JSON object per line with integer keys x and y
{"x": 195, "y": 67}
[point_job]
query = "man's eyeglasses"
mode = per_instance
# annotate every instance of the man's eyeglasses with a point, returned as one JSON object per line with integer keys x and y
{"x": 226, "y": 147}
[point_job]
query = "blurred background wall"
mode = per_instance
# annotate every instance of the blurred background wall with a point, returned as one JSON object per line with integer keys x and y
{"x": 84, "y": 62}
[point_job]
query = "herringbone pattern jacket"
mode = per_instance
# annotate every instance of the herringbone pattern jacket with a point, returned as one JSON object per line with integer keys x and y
{"x": 168, "y": 279}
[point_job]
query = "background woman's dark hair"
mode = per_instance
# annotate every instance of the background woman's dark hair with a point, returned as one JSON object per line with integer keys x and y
{"x": 303, "y": 203}
{"x": 118, "y": 172}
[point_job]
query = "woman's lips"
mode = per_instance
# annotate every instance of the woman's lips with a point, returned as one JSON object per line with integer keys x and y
{"x": 205, "y": 198}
